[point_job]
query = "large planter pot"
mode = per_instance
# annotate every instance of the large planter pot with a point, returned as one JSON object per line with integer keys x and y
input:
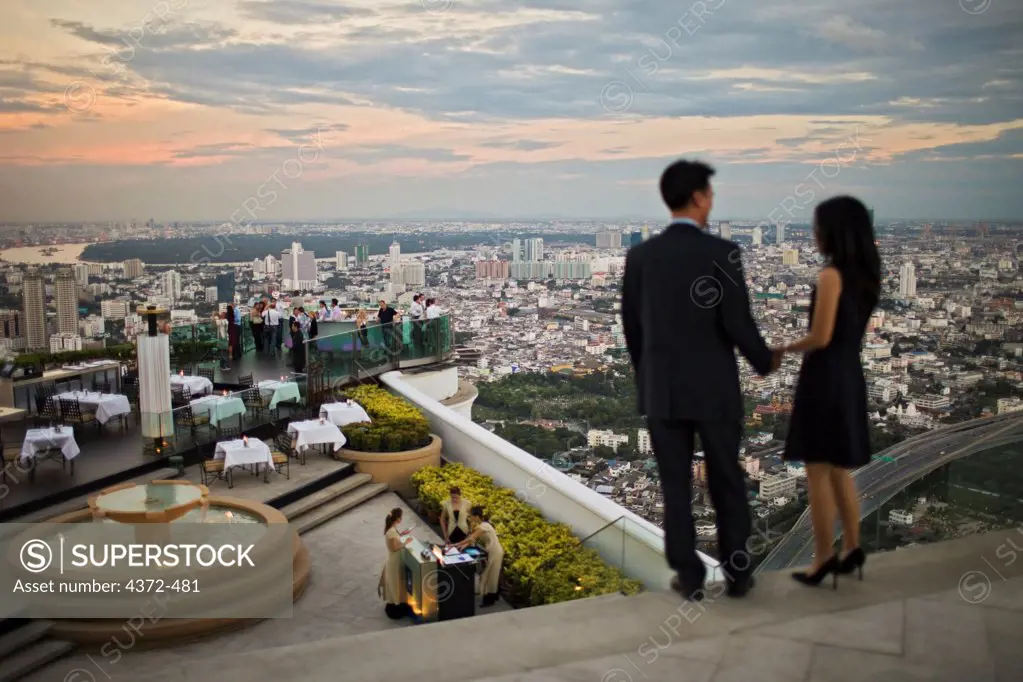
{"x": 394, "y": 468}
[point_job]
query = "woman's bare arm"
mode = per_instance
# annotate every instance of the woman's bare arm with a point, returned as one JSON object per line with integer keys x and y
{"x": 829, "y": 288}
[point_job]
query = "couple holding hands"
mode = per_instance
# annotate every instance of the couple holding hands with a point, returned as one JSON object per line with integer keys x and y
{"x": 688, "y": 382}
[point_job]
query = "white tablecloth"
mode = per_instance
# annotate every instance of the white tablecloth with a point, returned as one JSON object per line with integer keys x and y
{"x": 235, "y": 453}
{"x": 106, "y": 405}
{"x": 218, "y": 407}
{"x": 37, "y": 440}
{"x": 340, "y": 414}
{"x": 312, "y": 432}
{"x": 196, "y": 385}
{"x": 282, "y": 390}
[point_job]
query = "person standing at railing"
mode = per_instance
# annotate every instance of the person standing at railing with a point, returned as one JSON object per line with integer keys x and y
{"x": 313, "y": 328}
{"x": 223, "y": 344}
{"x": 234, "y": 334}
{"x": 323, "y": 314}
{"x": 271, "y": 325}
{"x": 297, "y": 348}
{"x": 484, "y": 534}
{"x": 828, "y": 430}
{"x": 415, "y": 312}
{"x": 385, "y": 316}
{"x": 361, "y": 327}
{"x": 687, "y": 378}
{"x": 256, "y": 325}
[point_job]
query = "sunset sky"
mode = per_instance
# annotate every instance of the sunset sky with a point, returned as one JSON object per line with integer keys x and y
{"x": 185, "y": 109}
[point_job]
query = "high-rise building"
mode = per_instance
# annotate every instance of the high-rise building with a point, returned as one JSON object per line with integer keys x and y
{"x": 413, "y": 274}
{"x": 172, "y": 285}
{"x": 907, "y": 280}
{"x": 758, "y": 236}
{"x": 65, "y": 291}
{"x": 645, "y": 232}
{"x": 394, "y": 263}
{"x": 271, "y": 266}
{"x": 62, "y": 342}
{"x": 635, "y": 238}
{"x": 609, "y": 239}
{"x": 82, "y": 274}
{"x": 225, "y": 287}
{"x": 10, "y": 329}
{"x": 299, "y": 268}
{"x": 779, "y": 233}
{"x": 361, "y": 253}
{"x": 492, "y": 269}
{"x": 341, "y": 258}
{"x": 132, "y": 268}
{"x": 790, "y": 257}
{"x": 725, "y": 229}
{"x": 34, "y": 293}
{"x": 871, "y": 210}
{"x": 114, "y": 309}
{"x": 527, "y": 250}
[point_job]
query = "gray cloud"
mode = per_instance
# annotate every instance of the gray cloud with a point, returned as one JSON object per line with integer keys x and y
{"x": 300, "y": 12}
{"x": 366, "y": 154}
{"x": 520, "y": 145}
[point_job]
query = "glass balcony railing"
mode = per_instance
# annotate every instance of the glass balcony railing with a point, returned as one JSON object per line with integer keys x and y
{"x": 976, "y": 494}
{"x": 224, "y": 415}
{"x": 597, "y": 566}
{"x": 354, "y": 354}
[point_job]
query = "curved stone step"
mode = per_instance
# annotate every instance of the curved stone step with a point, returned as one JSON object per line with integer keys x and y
{"x": 32, "y": 658}
{"x": 325, "y": 512}
{"x": 321, "y": 497}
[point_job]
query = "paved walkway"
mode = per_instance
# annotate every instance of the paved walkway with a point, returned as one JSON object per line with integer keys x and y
{"x": 951, "y": 612}
{"x": 340, "y": 601}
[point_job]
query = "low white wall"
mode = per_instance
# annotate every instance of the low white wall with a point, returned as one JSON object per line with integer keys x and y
{"x": 560, "y": 498}
{"x": 439, "y": 385}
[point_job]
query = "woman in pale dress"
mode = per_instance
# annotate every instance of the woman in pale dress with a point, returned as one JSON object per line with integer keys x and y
{"x": 392, "y": 580}
{"x": 485, "y": 535}
{"x": 454, "y": 517}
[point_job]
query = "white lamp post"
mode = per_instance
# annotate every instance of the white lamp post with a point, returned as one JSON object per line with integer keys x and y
{"x": 156, "y": 414}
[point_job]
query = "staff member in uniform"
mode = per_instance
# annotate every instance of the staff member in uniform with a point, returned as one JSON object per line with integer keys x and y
{"x": 454, "y": 517}
{"x": 392, "y": 581}
{"x": 484, "y": 534}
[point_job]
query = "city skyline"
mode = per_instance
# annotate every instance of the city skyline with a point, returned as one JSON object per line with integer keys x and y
{"x": 298, "y": 110}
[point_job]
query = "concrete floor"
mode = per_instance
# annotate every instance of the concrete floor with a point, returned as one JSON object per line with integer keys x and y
{"x": 951, "y": 611}
{"x": 341, "y": 601}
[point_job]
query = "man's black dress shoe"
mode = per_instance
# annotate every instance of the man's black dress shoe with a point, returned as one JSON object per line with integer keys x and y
{"x": 740, "y": 588}
{"x": 693, "y": 594}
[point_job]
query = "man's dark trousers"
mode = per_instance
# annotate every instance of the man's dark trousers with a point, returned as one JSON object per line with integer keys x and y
{"x": 673, "y": 442}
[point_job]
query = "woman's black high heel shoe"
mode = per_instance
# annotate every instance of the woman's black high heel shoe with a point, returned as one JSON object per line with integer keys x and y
{"x": 832, "y": 566}
{"x": 854, "y": 561}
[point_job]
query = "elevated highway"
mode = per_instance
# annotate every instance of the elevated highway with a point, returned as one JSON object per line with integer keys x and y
{"x": 895, "y": 468}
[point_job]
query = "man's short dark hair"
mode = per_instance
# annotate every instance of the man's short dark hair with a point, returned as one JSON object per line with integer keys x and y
{"x": 681, "y": 180}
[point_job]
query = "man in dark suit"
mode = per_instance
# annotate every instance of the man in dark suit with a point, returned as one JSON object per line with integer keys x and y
{"x": 685, "y": 308}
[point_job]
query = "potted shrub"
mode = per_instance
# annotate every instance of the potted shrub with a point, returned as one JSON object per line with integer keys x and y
{"x": 394, "y": 445}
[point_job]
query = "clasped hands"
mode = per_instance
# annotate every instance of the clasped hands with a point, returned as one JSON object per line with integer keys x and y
{"x": 777, "y": 355}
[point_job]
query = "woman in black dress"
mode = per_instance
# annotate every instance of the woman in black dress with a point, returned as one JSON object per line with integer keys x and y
{"x": 297, "y": 348}
{"x": 828, "y": 430}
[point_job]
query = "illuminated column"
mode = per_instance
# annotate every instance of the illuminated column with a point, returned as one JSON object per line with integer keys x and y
{"x": 156, "y": 415}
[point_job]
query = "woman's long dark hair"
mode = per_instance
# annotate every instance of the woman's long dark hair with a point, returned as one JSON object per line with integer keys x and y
{"x": 230, "y": 314}
{"x": 392, "y": 518}
{"x": 845, "y": 234}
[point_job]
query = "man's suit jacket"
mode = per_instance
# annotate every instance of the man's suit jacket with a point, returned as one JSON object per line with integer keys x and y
{"x": 685, "y": 308}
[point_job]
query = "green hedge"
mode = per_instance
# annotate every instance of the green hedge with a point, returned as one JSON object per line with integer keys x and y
{"x": 397, "y": 424}
{"x": 544, "y": 562}
{"x": 120, "y": 352}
